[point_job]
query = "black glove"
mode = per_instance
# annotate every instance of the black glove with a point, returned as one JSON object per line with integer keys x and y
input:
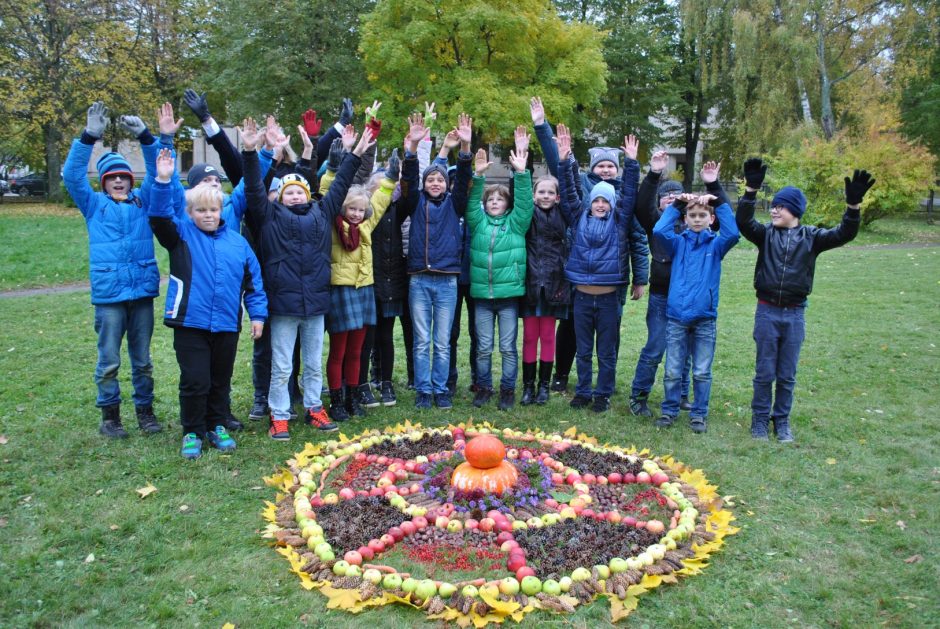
{"x": 754, "y": 172}
{"x": 336, "y": 155}
{"x": 346, "y": 113}
{"x": 857, "y": 186}
{"x": 197, "y": 103}
{"x": 394, "y": 166}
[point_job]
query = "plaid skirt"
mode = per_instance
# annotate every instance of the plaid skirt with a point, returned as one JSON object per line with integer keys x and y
{"x": 351, "y": 308}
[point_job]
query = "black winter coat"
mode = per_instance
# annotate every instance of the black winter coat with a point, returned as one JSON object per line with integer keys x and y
{"x": 388, "y": 261}
{"x": 546, "y": 245}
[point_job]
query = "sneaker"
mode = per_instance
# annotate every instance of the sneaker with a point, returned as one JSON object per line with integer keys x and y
{"x": 580, "y": 401}
{"x": 665, "y": 421}
{"x": 319, "y": 420}
{"x": 259, "y": 410}
{"x": 220, "y": 439}
{"x": 698, "y": 425}
{"x": 147, "y": 421}
{"x": 443, "y": 401}
{"x": 759, "y": 429}
{"x": 482, "y": 396}
{"x": 507, "y": 399}
{"x": 601, "y": 404}
{"x": 388, "y": 394}
{"x": 192, "y": 446}
{"x": 422, "y": 401}
{"x": 684, "y": 404}
{"x": 560, "y": 384}
{"x": 782, "y": 430}
{"x": 278, "y": 430}
{"x": 639, "y": 407}
{"x": 366, "y": 398}
{"x": 232, "y": 424}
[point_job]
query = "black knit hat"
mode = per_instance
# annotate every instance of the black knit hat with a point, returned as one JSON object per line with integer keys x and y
{"x": 199, "y": 172}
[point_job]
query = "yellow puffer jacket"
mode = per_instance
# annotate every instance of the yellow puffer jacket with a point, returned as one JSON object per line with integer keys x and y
{"x": 354, "y": 268}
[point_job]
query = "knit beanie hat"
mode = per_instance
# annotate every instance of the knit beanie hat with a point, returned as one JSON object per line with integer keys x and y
{"x": 113, "y": 164}
{"x": 199, "y": 172}
{"x": 669, "y": 186}
{"x": 292, "y": 179}
{"x": 791, "y": 198}
{"x": 434, "y": 168}
{"x": 604, "y": 191}
{"x": 600, "y": 154}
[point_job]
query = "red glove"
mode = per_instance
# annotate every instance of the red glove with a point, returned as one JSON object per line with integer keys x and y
{"x": 311, "y": 123}
{"x": 375, "y": 125}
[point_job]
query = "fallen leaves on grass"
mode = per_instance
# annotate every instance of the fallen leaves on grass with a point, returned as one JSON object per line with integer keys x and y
{"x": 901, "y": 524}
{"x": 146, "y": 491}
{"x": 90, "y": 558}
{"x": 3, "y": 440}
{"x": 913, "y": 559}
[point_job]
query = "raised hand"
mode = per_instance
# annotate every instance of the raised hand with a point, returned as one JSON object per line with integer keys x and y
{"x": 166, "y": 121}
{"x": 563, "y": 139}
{"x": 430, "y": 116}
{"x": 133, "y": 125}
{"x": 346, "y": 112}
{"x": 249, "y": 133}
{"x": 754, "y": 172}
{"x": 518, "y": 160}
{"x": 631, "y": 145}
{"x": 365, "y": 142}
{"x": 272, "y": 133}
{"x": 857, "y": 186}
{"x": 197, "y": 103}
{"x": 451, "y": 140}
{"x": 375, "y": 126}
{"x": 336, "y": 155}
{"x": 710, "y": 171}
{"x": 659, "y": 161}
{"x": 416, "y": 130}
{"x": 304, "y": 137}
{"x": 312, "y": 124}
{"x": 686, "y": 197}
{"x": 522, "y": 139}
{"x": 393, "y": 170}
{"x": 96, "y": 120}
{"x": 283, "y": 141}
{"x": 465, "y": 130}
{"x": 480, "y": 162}
{"x": 708, "y": 199}
{"x": 537, "y": 110}
{"x": 165, "y": 165}
{"x": 349, "y": 136}
{"x": 372, "y": 111}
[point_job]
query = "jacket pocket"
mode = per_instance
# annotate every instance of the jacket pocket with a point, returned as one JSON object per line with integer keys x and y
{"x": 105, "y": 283}
{"x": 148, "y": 277}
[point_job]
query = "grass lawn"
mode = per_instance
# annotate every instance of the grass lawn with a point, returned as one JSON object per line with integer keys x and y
{"x": 836, "y": 529}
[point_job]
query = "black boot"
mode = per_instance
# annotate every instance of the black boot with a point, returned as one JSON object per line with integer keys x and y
{"x": 337, "y": 411}
{"x": 366, "y": 397}
{"x": 528, "y": 384}
{"x": 545, "y": 376}
{"x": 507, "y": 397}
{"x": 147, "y": 420}
{"x": 354, "y": 402}
{"x": 560, "y": 383}
{"x": 111, "y": 422}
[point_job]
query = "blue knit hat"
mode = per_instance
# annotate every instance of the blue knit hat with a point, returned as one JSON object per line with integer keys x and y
{"x": 113, "y": 164}
{"x": 670, "y": 186}
{"x": 791, "y": 198}
{"x": 199, "y": 172}
{"x": 604, "y": 191}
{"x": 600, "y": 154}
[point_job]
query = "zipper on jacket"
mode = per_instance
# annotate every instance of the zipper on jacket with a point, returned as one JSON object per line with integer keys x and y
{"x": 427, "y": 229}
{"x": 783, "y": 272}
{"x": 492, "y": 244}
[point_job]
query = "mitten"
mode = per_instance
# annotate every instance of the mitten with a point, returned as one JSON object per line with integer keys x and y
{"x": 133, "y": 124}
{"x": 857, "y": 186}
{"x": 336, "y": 155}
{"x": 394, "y": 166}
{"x": 97, "y": 120}
{"x": 754, "y": 171}
{"x": 197, "y": 103}
{"x": 312, "y": 124}
{"x": 346, "y": 113}
{"x": 376, "y": 126}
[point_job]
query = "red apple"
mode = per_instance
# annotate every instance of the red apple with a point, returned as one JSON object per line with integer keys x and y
{"x": 403, "y": 491}
{"x": 376, "y": 545}
{"x": 353, "y": 557}
{"x": 659, "y": 478}
{"x": 382, "y": 460}
{"x": 573, "y": 478}
{"x": 643, "y": 477}
{"x": 367, "y": 553}
{"x": 471, "y": 524}
{"x": 410, "y": 466}
{"x": 504, "y": 536}
{"x": 346, "y": 493}
{"x": 590, "y": 479}
{"x": 629, "y": 520}
{"x": 504, "y": 525}
{"x": 515, "y": 562}
{"x": 420, "y": 522}
{"x": 655, "y": 527}
{"x": 487, "y": 524}
{"x": 371, "y": 458}
{"x": 359, "y": 456}
{"x": 615, "y": 478}
{"x": 588, "y": 513}
{"x": 629, "y": 478}
{"x": 408, "y": 528}
{"x": 388, "y": 540}
{"x": 508, "y": 545}
{"x": 614, "y": 517}
{"x": 362, "y": 492}
{"x": 397, "y": 533}
{"x": 524, "y": 571}
{"x": 551, "y": 502}
{"x": 376, "y": 491}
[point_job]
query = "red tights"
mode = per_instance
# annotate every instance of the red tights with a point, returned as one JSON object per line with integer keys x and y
{"x": 345, "y": 349}
{"x": 536, "y": 330}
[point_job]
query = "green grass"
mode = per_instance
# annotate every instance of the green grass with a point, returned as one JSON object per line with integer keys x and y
{"x": 826, "y": 524}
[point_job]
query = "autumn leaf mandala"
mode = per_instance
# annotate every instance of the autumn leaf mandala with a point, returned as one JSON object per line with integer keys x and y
{"x": 475, "y": 525}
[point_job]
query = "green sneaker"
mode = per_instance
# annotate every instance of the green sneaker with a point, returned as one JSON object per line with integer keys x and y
{"x": 219, "y": 438}
{"x": 192, "y": 446}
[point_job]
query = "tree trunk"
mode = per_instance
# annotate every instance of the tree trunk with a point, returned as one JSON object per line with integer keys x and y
{"x": 825, "y": 84}
{"x": 804, "y": 100}
{"x": 52, "y": 137}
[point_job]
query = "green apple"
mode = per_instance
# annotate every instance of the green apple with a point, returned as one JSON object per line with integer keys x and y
{"x": 426, "y": 589}
{"x": 603, "y": 571}
{"x": 372, "y": 576}
{"x": 618, "y": 564}
{"x": 446, "y": 590}
{"x": 392, "y": 581}
{"x": 339, "y": 568}
{"x": 353, "y": 571}
{"x": 580, "y": 574}
{"x": 551, "y": 587}
{"x": 565, "y": 583}
{"x": 409, "y": 584}
{"x": 469, "y": 591}
{"x": 531, "y": 585}
{"x": 509, "y": 586}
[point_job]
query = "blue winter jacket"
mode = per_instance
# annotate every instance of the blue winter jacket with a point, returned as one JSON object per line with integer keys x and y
{"x": 600, "y": 246}
{"x": 120, "y": 243}
{"x": 696, "y": 264}
{"x": 435, "y": 236}
{"x": 210, "y": 273}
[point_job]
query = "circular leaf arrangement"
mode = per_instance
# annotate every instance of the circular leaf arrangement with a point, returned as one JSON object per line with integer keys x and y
{"x": 475, "y": 525}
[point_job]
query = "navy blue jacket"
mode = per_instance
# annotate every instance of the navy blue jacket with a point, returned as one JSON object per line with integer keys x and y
{"x": 295, "y": 241}
{"x": 600, "y": 247}
{"x": 209, "y": 272}
{"x": 696, "y": 264}
{"x": 436, "y": 237}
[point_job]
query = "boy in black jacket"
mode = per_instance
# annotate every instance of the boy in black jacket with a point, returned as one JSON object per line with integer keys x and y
{"x": 783, "y": 278}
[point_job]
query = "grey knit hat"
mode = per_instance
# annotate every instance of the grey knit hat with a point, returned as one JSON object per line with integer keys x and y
{"x": 600, "y": 154}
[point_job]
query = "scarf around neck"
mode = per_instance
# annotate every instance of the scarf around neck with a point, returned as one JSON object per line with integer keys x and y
{"x": 348, "y": 233}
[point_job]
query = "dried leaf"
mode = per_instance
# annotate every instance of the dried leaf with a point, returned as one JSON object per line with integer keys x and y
{"x": 901, "y": 524}
{"x": 228, "y": 625}
{"x": 571, "y": 432}
{"x": 146, "y": 491}
{"x": 90, "y": 558}
{"x": 620, "y": 609}
{"x": 114, "y": 527}
{"x": 913, "y": 559}
{"x": 3, "y": 440}
{"x": 831, "y": 461}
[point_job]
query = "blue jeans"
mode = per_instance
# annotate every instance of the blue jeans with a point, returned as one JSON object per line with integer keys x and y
{"x": 284, "y": 334}
{"x": 488, "y": 312}
{"x": 596, "y": 315}
{"x": 698, "y": 338}
{"x": 112, "y": 322}
{"x": 779, "y": 334}
{"x": 432, "y": 298}
{"x": 652, "y": 353}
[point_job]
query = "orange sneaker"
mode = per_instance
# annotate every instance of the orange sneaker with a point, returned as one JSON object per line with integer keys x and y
{"x": 319, "y": 420}
{"x": 278, "y": 430}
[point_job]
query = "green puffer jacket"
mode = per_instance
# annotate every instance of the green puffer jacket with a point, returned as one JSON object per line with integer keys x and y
{"x": 497, "y": 243}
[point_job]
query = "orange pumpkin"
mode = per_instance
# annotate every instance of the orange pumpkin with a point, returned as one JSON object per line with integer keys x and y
{"x": 493, "y": 480}
{"x": 484, "y": 452}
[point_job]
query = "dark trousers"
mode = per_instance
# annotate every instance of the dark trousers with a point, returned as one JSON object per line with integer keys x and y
{"x": 565, "y": 346}
{"x": 778, "y": 334}
{"x": 261, "y": 368}
{"x": 206, "y": 360}
{"x": 380, "y": 345}
{"x": 596, "y": 317}
{"x": 463, "y": 293}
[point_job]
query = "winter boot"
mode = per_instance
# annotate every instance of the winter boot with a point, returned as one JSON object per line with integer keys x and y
{"x": 365, "y": 396}
{"x": 507, "y": 398}
{"x": 639, "y": 405}
{"x": 147, "y": 420}
{"x": 545, "y": 377}
{"x": 388, "y": 394}
{"x": 560, "y": 383}
{"x": 354, "y": 402}
{"x": 337, "y": 410}
{"x": 528, "y": 384}
{"x": 111, "y": 422}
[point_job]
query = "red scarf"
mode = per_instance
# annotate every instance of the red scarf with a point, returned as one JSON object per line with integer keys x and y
{"x": 350, "y": 238}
